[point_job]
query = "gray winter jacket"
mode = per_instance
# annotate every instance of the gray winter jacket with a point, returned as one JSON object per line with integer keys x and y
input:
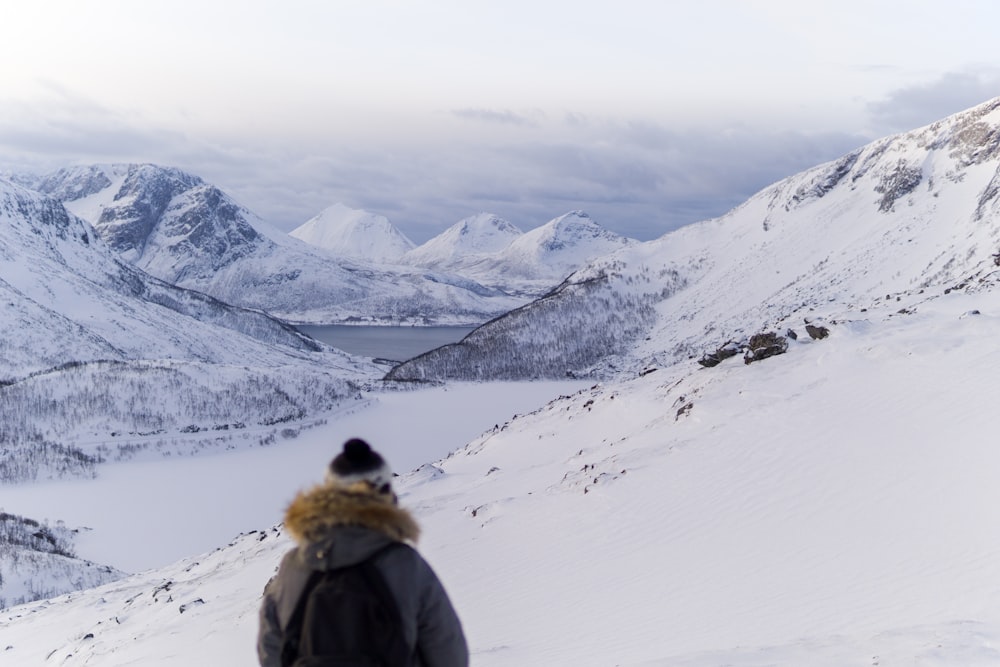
{"x": 336, "y": 526}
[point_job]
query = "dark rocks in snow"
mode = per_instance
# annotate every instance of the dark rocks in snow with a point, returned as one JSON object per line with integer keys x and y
{"x": 817, "y": 332}
{"x": 764, "y": 345}
{"x": 900, "y": 182}
{"x": 189, "y": 605}
{"x": 712, "y": 359}
{"x": 827, "y": 180}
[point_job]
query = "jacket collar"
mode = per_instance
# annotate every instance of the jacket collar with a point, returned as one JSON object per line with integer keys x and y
{"x": 315, "y": 512}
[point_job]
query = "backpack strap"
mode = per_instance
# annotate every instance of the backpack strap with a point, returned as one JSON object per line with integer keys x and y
{"x": 376, "y": 582}
{"x": 374, "y": 579}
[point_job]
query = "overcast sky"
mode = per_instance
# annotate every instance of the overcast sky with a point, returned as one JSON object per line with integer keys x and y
{"x": 646, "y": 114}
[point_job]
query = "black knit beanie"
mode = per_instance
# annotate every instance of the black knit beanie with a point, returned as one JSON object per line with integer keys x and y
{"x": 359, "y": 462}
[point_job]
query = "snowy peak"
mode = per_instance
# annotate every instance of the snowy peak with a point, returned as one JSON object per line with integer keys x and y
{"x": 494, "y": 252}
{"x": 145, "y": 211}
{"x": 468, "y": 239}
{"x": 573, "y": 230}
{"x": 355, "y": 234}
{"x": 561, "y": 246}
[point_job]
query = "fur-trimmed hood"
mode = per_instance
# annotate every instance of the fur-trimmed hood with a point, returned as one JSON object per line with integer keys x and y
{"x": 314, "y": 514}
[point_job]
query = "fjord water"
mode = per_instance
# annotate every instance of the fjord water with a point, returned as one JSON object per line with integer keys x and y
{"x": 396, "y": 343}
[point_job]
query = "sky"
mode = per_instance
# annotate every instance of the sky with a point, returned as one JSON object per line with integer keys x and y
{"x": 646, "y": 114}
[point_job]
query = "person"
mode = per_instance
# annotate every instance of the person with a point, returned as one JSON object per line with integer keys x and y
{"x": 351, "y": 517}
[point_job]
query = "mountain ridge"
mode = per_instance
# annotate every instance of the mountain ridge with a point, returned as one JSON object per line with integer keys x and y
{"x": 184, "y": 231}
{"x": 527, "y": 263}
{"x": 872, "y": 227}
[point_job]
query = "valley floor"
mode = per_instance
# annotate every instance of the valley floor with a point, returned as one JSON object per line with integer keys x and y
{"x": 146, "y": 514}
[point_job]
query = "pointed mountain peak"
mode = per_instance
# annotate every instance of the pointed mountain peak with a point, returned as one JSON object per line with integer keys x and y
{"x": 573, "y": 229}
{"x": 466, "y": 241}
{"x": 354, "y": 233}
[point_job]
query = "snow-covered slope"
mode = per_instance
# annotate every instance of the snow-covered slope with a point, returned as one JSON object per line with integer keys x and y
{"x": 830, "y": 506}
{"x": 175, "y": 226}
{"x": 906, "y": 218}
{"x": 37, "y": 561}
{"x": 356, "y": 234}
{"x": 59, "y": 277}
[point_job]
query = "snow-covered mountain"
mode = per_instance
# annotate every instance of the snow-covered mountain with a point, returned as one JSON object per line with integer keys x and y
{"x": 493, "y": 252}
{"x": 59, "y": 277}
{"x": 465, "y": 243}
{"x": 829, "y": 505}
{"x": 559, "y": 247}
{"x": 178, "y": 228}
{"x": 895, "y": 223}
{"x": 355, "y": 234}
{"x": 91, "y": 347}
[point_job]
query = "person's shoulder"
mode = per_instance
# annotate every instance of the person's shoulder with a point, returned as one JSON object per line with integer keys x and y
{"x": 402, "y": 556}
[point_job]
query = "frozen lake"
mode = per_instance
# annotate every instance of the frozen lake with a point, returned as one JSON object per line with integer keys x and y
{"x": 148, "y": 513}
{"x": 396, "y": 343}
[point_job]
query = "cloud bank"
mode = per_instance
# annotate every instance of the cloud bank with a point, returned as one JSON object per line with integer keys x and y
{"x": 639, "y": 177}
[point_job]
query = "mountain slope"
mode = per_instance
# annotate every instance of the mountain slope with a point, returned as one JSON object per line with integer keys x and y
{"x": 189, "y": 233}
{"x": 59, "y": 277}
{"x": 763, "y": 514}
{"x": 355, "y": 234}
{"x": 905, "y": 218}
{"x": 91, "y": 347}
{"x": 37, "y": 561}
